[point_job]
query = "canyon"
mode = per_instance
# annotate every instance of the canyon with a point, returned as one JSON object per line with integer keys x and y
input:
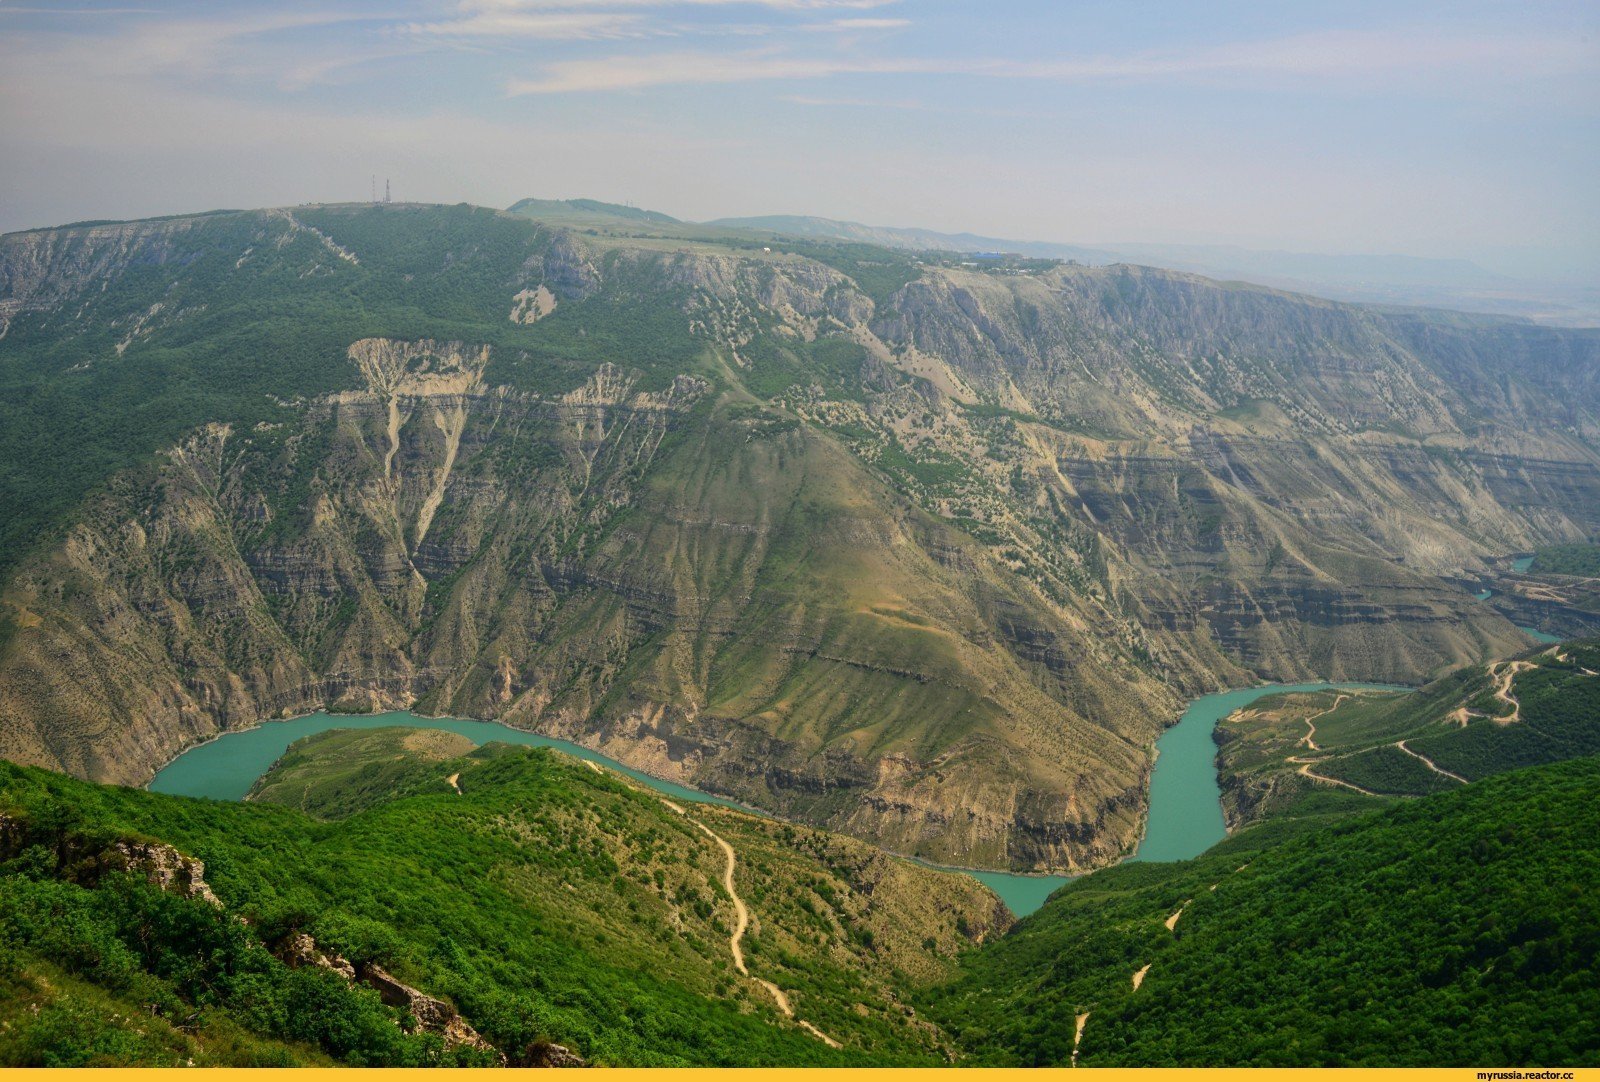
{"x": 922, "y": 552}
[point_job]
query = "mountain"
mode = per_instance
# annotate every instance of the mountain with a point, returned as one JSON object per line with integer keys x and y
{"x": 1369, "y": 279}
{"x": 1290, "y": 754}
{"x": 1451, "y": 930}
{"x": 504, "y": 905}
{"x": 922, "y": 552}
{"x": 587, "y": 212}
{"x": 797, "y": 225}
{"x": 512, "y": 905}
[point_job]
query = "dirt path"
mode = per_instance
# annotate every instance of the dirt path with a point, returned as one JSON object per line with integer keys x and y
{"x": 1306, "y": 772}
{"x": 1138, "y": 978}
{"x": 1077, "y": 1038}
{"x": 1502, "y": 691}
{"x": 815, "y": 1032}
{"x": 1429, "y": 763}
{"x": 1310, "y": 739}
{"x": 742, "y": 923}
{"x": 1172, "y": 921}
{"x": 453, "y": 779}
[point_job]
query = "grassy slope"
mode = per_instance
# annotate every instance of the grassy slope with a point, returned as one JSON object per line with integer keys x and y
{"x": 338, "y": 773}
{"x": 547, "y": 903}
{"x": 1458, "y": 929}
{"x": 1357, "y": 741}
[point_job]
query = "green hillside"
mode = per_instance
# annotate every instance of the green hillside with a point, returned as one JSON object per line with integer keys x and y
{"x": 1578, "y": 560}
{"x": 1454, "y": 930}
{"x": 541, "y": 908}
{"x": 1306, "y": 753}
{"x": 544, "y": 902}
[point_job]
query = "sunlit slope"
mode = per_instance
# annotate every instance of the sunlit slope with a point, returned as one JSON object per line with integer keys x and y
{"x": 544, "y": 902}
{"x": 1303, "y": 754}
{"x": 1457, "y": 929}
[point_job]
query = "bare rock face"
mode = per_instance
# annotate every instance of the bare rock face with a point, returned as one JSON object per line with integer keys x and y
{"x": 430, "y": 1013}
{"x": 532, "y": 305}
{"x": 427, "y": 1013}
{"x": 300, "y": 950}
{"x": 42, "y": 268}
{"x": 168, "y": 869}
{"x": 569, "y": 272}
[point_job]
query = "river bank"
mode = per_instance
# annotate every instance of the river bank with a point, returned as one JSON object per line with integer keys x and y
{"x": 1184, "y": 816}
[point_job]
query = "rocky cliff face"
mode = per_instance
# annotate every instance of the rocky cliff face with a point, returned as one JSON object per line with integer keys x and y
{"x": 712, "y": 598}
{"x": 934, "y": 569}
{"x": 1277, "y": 480}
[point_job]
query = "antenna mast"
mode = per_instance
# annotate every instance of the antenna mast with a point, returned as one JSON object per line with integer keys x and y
{"x": 385, "y": 189}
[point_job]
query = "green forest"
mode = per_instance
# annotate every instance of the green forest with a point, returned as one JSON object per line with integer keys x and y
{"x": 1453, "y": 930}
{"x": 552, "y": 905}
{"x": 1567, "y": 560}
{"x": 549, "y": 904}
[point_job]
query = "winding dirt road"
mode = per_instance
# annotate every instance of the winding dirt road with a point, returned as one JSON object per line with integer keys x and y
{"x": 1502, "y": 690}
{"x": 1429, "y": 763}
{"x": 742, "y": 923}
{"x": 1306, "y": 772}
{"x": 1310, "y": 739}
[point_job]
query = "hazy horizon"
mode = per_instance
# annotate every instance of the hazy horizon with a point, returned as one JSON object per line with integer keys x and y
{"x": 1463, "y": 131}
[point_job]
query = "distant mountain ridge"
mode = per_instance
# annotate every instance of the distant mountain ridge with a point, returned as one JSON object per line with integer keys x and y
{"x": 557, "y": 208}
{"x": 1370, "y": 279}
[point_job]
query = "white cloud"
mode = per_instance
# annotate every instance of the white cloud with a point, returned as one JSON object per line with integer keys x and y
{"x": 1357, "y": 55}
{"x": 575, "y": 20}
{"x": 666, "y": 69}
{"x": 546, "y": 25}
{"x": 859, "y": 24}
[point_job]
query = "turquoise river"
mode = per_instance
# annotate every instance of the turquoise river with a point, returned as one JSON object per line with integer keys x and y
{"x": 1185, "y": 801}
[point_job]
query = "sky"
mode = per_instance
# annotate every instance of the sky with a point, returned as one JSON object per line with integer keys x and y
{"x": 1453, "y": 130}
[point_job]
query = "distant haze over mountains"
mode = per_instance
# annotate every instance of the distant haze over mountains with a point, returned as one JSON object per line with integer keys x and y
{"x": 1369, "y": 279}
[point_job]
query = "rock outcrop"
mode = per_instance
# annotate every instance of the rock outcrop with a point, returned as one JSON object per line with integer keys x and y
{"x": 428, "y": 1012}
{"x": 168, "y": 869}
{"x": 420, "y": 1011}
